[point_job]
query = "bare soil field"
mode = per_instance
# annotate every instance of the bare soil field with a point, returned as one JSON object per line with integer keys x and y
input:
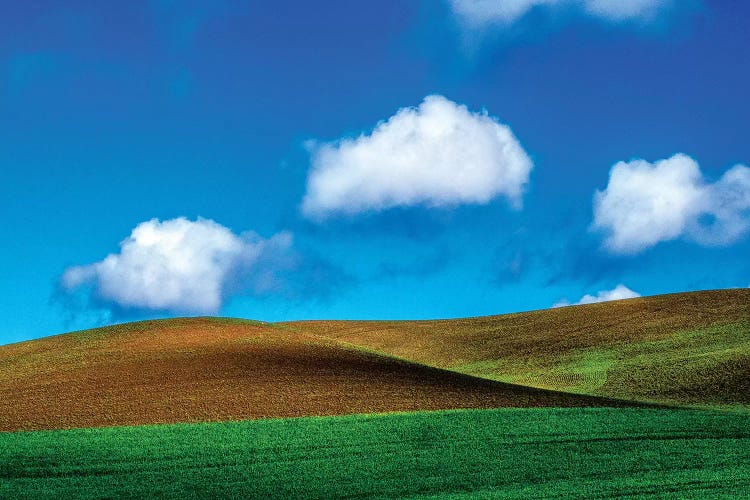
{"x": 202, "y": 369}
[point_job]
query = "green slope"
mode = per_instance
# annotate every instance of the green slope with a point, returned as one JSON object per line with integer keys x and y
{"x": 509, "y": 453}
{"x": 685, "y": 349}
{"x": 699, "y": 367}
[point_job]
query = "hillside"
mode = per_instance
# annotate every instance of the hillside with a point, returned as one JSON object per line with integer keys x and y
{"x": 689, "y": 348}
{"x": 194, "y": 370}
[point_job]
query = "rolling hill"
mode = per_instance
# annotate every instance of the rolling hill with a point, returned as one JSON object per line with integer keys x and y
{"x": 202, "y": 369}
{"x": 684, "y": 349}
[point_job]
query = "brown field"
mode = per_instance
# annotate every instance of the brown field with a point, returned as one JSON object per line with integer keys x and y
{"x": 201, "y": 369}
{"x": 689, "y": 348}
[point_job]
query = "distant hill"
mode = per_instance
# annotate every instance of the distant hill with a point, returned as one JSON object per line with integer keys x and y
{"x": 202, "y": 369}
{"x": 687, "y": 348}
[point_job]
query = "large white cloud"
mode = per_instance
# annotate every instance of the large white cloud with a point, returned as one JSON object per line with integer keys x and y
{"x": 180, "y": 266}
{"x": 647, "y": 203}
{"x": 437, "y": 154}
{"x": 617, "y": 293}
{"x": 479, "y": 13}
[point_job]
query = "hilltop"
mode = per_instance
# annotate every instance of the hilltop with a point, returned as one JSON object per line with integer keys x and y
{"x": 207, "y": 369}
{"x": 686, "y": 349}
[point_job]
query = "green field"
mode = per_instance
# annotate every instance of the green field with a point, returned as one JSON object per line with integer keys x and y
{"x": 700, "y": 367}
{"x": 508, "y": 452}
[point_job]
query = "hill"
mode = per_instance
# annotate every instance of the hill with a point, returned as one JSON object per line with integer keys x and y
{"x": 688, "y": 348}
{"x": 201, "y": 369}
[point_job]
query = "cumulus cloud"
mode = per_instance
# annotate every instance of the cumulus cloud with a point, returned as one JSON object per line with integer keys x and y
{"x": 647, "y": 203}
{"x": 482, "y": 13}
{"x": 181, "y": 266}
{"x": 617, "y": 293}
{"x": 437, "y": 154}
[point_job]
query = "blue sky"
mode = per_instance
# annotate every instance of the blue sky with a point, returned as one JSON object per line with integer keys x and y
{"x": 284, "y": 160}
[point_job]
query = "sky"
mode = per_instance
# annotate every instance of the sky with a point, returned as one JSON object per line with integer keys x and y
{"x": 376, "y": 160}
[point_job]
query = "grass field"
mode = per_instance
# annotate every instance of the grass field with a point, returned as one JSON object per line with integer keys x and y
{"x": 509, "y": 452}
{"x": 685, "y": 349}
{"x": 203, "y": 369}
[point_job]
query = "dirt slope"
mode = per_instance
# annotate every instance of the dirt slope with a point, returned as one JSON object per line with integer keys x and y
{"x": 202, "y": 369}
{"x": 689, "y": 348}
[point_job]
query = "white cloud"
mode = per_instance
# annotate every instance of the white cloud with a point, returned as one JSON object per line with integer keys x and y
{"x": 481, "y": 13}
{"x": 438, "y": 154}
{"x": 180, "y": 266}
{"x": 647, "y": 203}
{"x": 617, "y": 293}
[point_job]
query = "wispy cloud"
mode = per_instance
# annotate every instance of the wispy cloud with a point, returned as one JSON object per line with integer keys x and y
{"x": 486, "y": 13}
{"x": 437, "y": 154}
{"x": 647, "y": 203}
{"x": 624, "y": 10}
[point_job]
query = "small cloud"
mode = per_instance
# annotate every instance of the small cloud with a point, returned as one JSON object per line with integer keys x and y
{"x": 618, "y": 293}
{"x": 485, "y": 13}
{"x": 438, "y": 154}
{"x": 647, "y": 203}
{"x": 181, "y": 266}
